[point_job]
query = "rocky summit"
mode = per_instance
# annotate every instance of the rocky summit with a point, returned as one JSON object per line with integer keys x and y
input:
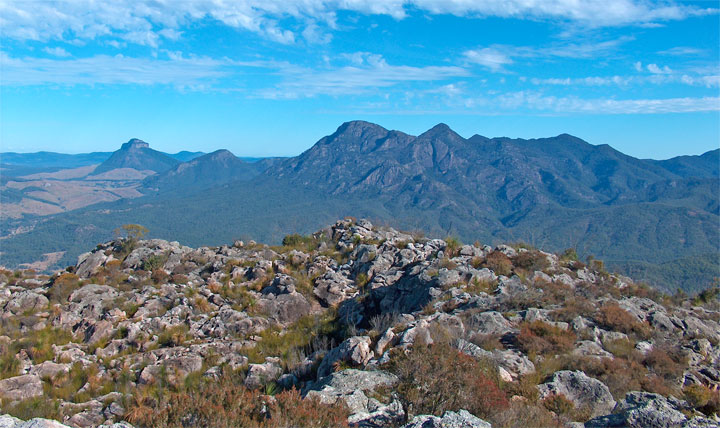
{"x": 354, "y": 325}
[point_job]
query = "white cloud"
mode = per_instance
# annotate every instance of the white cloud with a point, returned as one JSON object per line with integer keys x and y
{"x": 57, "y": 51}
{"x": 539, "y": 102}
{"x": 638, "y": 66}
{"x": 585, "y": 81}
{"x": 708, "y": 81}
{"x": 366, "y": 73}
{"x": 655, "y": 69}
{"x": 496, "y": 57}
{"x": 148, "y": 22}
{"x": 682, "y": 51}
{"x": 118, "y": 69}
{"x": 491, "y": 58}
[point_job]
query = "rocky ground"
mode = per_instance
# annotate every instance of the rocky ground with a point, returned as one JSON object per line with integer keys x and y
{"x": 353, "y": 325}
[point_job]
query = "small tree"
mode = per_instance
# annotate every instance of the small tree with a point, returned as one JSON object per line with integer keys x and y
{"x": 129, "y": 235}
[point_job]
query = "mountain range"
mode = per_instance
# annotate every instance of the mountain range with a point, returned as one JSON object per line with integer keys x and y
{"x": 641, "y": 216}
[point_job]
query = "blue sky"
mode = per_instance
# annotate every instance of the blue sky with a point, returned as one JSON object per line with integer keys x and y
{"x": 271, "y": 77}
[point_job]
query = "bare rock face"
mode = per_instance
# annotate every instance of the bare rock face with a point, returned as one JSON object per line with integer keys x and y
{"x": 353, "y": 387}
{"x": 355, "y": 350}
{"x": 260, "y": 374}
{"x": 582, "y": 390}
{"x": 461, "y": 419}
{"x": 24, "y": 301}
{"x": 646, "y": 410}
{"x": 21, "y": 387}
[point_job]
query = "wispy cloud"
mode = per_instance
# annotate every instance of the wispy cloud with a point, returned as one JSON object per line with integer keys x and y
{"x": 496, "y": 57}
{"x": 365, "y": 73}
{"x": 105, "y": 69}
{"x": 540, "y": 102}
{"x": 682, "y": 51}
{"x": 491, "y": 58}
{"x": 149, "y": 22}
{"x": 57, "y": 51}
{"x": 709, "y": 81}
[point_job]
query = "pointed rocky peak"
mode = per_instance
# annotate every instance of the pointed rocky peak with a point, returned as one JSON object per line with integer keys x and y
{"x": 135, "y": 143}
{"x": 440, "y": 130}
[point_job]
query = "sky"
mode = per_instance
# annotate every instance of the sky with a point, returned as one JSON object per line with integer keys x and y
{"x": 271, "y": 77}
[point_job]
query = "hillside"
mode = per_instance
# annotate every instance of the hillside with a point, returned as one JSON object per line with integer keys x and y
{"x": 210, "y": 170}
{"x": 137, "y": 154}
{"x": 354, "y": 325}
{"x": 554, "y": 193}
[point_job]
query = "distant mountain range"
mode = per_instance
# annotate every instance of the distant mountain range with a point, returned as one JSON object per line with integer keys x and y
{"x": 641, "y": 216}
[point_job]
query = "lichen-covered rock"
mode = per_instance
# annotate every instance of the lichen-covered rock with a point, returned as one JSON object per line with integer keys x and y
{"x": 21, "y": 387}
{"x": 351, "y": 386}
{"x": 585, "y": 392}
{"x": 460, "y": 419}
{"x": 355, "y": 350}
{"x": 643, "y": 410}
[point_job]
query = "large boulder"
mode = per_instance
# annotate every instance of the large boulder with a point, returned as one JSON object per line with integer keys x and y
{"x": 490, "y": 322}
{"x": 21, "y": 387}
{"x": 582, "y": 390}
{"x": 461, "y": 419}
{"x": 333, "y": 287}
{"x": 355, "y": 350}
{"x": 643, "y": 410}
{"x": 24, "y": 301}
{"x": 353, "y": 387}
{"x": 260, "y": 374}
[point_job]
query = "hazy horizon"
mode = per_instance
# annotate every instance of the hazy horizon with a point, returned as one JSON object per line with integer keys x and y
{"x": 271, "y": 78}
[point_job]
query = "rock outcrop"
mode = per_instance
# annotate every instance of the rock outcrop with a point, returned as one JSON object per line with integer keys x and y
{"x": 333, "y": 313}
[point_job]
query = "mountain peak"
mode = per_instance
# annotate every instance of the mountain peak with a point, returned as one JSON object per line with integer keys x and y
{"x": 135, "y": 143}
{"x": 219, "y": 155}
{"x": 355, "y": 126}
{"x": 439, "y": 129}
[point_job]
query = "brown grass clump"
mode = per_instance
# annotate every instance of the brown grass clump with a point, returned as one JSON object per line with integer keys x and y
{"x": 666, "y": 362}
{"x": 540, "y": 338}
{"x": 438, "y": 378}
{"x": 226, "y": 403}
{"x": 531, "y": 261}
{"x": 499, "y": 263}
{"x": 703, "y": 399}
{"x": 612, "y": 316}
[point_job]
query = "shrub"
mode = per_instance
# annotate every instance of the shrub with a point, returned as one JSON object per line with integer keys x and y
{"x": 9, "y": 365}
{"x": 156, "y": 261}
{"x": 539, "y": 338}
{"x": 698, "y": 395}
{"x": 226, "y": 403}
{"x": 559, "y": 404}
{"x": 499, "y": 263}
{"x": 666, "y": 362}
{"x": 452, "y": 246}
{"x": 38, "y": 343}
{"x": 438, "y": 378}
{"x": 612, "y": 316}
{"x": 531, "y": 261}
{"x": 174, "y": 336}
{"x": 523, "y": 414}
{"x": 38, "y": 407}
{"x": 62, "y": 286}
